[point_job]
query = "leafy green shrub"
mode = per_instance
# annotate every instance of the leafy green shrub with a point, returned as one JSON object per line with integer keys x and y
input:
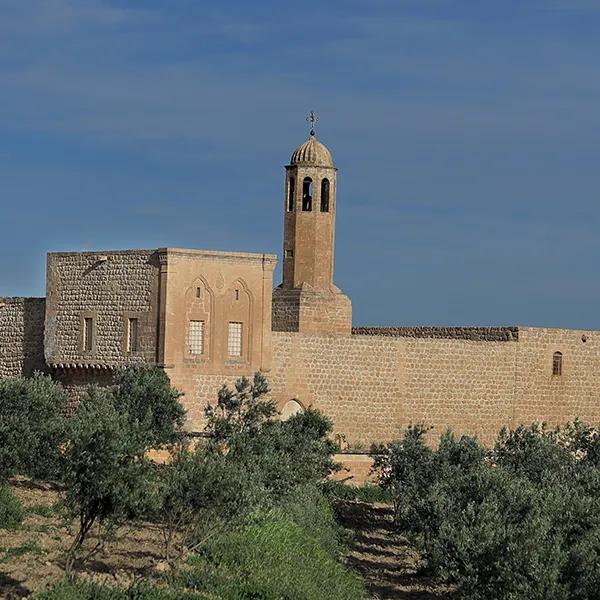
{"x": 11, "y": 510}
{"x": 367, "y": 492}
{"x": 106, "y": 479}
{"x": 534, "y": 452}
{"x": 145, "y": 394}
{"x": 270, "y": 559}
{"x": 405, "y": 469}
{"x": 519, "y": 522}
{"x": 250, "y": 463}
{"x": 32, "y": 425}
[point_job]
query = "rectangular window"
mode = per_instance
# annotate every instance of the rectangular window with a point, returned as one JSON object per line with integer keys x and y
{"x": 88, "y": 334}
{"x": 234, "y": 342}
{"x": 132, "y": 335}
{"x": 196, "y": 337}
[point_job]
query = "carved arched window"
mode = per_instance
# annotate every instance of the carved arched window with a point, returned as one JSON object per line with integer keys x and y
{"x": 291, "y": 194}
{"x": 557, "y": 359}
{"x": 307, "y": 194}
{"x": 325, "y": 195}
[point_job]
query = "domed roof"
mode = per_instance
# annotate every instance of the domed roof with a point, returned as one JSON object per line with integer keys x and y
{"x": 312, "y": 153}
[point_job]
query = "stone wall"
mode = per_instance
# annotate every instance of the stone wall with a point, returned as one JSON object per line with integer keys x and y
{"x": 308, "y": 311}
{"x": 216, "y": 288}
{"x": 109, "y": 287}
{"x": 21, "y": 336}
{"x": 557, "y": 398}
{"x": 371, "y": 386}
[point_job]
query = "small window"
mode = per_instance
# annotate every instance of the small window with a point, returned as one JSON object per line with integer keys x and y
{"x": 198, "y": 293}
{"x": 291, "y": 194}
{"x": 88, "y": 334}
{"x": 557, "y": 363}
{"x": 289, "y": 253}
{"x": 325, "y": 195}
{"x": 307, "y": 194}
{"x": 196, "y": 337}
{"x": 234, "y": 342}
{"x": 237, "y": 294}
{"x": 132, "y": 335}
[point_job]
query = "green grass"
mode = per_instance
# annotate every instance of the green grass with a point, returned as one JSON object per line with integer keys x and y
{"x": 27, "y": 548}
{"x": 367, "y": 492}
{"x": 11, "y": 510}
{"x": 83, "y": 590}
{"x": 270, "y": 560}
{"x": 43, "y": 510}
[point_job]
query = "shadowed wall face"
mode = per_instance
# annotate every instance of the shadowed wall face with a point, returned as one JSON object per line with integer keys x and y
{"x": 95, "y": 300}
{"x": 21, "y": 336}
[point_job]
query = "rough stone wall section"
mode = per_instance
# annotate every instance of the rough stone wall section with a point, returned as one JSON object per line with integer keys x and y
{"x": 309, "y": 311}
{"x": 286, "y": 310}
{"x": 21, "y": 336}
{"x": 541, "y": 395}
{"x": 477, "y": 334}
{"x": 109, "y": 287}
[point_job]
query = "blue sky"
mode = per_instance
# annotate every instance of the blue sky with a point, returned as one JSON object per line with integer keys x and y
{"x": 466, "y": 134}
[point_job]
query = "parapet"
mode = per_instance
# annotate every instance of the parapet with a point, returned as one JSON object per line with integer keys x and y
{"x": 474, "y": 334}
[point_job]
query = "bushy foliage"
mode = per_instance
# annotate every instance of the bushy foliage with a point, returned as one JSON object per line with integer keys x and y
{"x": 367, "y": 492}
{"x": 249, "y": 463}
{"x": 521, "y": 521}
{"x": 32, "y": 425}
{"x": 241, "y": 410}
{"x": 11, "y": 510}
{"x": 405, "y": 468}
{"x": 106, "y": 479}
{"x": 274, "y": 557}
{"x": 145, "y": 394}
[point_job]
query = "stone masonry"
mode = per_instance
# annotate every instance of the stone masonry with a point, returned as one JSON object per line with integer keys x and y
{"x": 21, "y": 336}
{"x": 208, "y": 318}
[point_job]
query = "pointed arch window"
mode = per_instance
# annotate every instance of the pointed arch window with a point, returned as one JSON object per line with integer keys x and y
{"x": 557, "y": 361}
{"x": 307, "y": 194}
{"x": 325, "y": 195}
{"x": 291, "y": 194}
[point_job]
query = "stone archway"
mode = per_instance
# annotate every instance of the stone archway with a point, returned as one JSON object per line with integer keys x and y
{"x": 291, "y": 408}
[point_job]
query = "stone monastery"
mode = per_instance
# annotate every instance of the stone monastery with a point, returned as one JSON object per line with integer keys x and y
{"x": 210, "y": 317}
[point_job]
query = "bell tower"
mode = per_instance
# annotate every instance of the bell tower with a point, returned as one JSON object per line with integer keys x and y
{"x": 308, "y": 300}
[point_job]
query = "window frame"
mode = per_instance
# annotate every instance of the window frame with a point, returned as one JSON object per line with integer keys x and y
{"x": 133, "y": 335}
{"x": 200, "y": 335}
{"x": 325, "y": 195}
{"x": 557, "y": 364}
{"x": 235, "y": 343}
{"x": 87, "y": 335}
{"x": 307, "y": 194}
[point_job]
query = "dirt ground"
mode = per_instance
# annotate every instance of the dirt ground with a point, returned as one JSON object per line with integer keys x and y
{"x": 32, "y": 557}
{"x": 384, "y": 560}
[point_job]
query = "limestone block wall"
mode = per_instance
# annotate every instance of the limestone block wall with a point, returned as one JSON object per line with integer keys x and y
{"x": 372, "y": 385}
{"x": 465, "y": 385}
{"x": 109, "y": 287}
{"x": 557, "y": 398}
{"x": 21, "y": 336}
{"x": 316, "y": 312}
{"x": 472, "y": 380}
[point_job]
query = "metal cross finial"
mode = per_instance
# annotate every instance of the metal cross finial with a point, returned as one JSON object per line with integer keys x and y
{"x": 312, "y": 119}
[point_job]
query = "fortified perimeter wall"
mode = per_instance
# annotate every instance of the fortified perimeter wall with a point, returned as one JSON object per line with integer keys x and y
{"x": 21, "y": 336}
{"x": 473, "y": 380}
{"x": 540, "y": 395}
{"x": 376, "y": 381}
